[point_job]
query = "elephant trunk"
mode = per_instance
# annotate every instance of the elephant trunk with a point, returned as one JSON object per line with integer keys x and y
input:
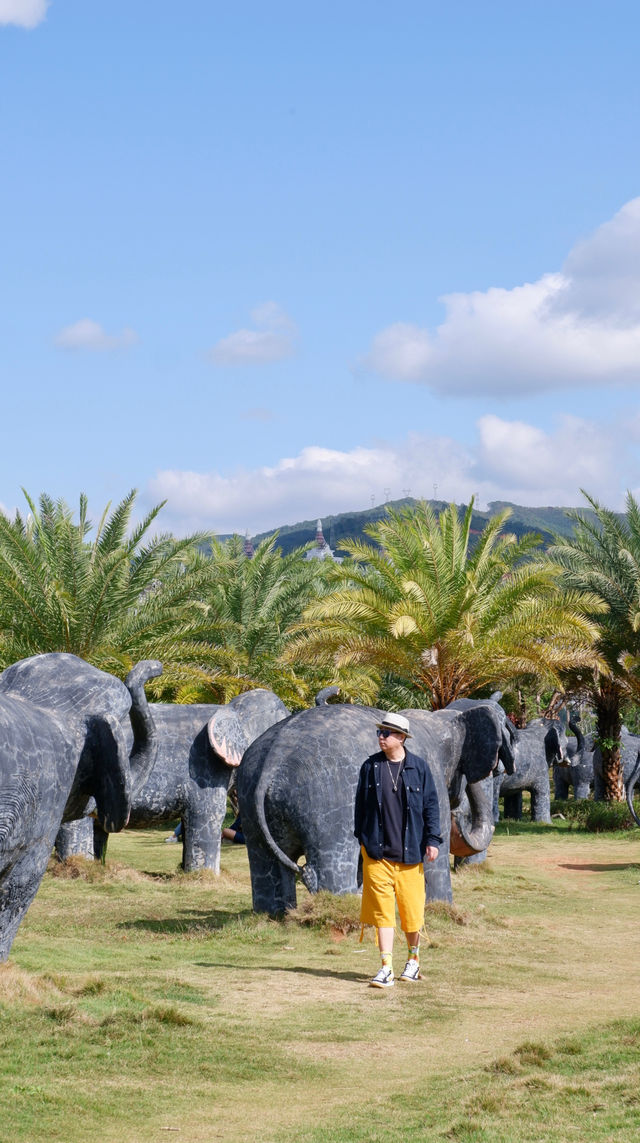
{"x": 471, "y": 832}
{"x": 575, "y": 727}
{"x": 506, "y": 750}
{"x": 145, "y": 735}
{"x": 635, "y": 776}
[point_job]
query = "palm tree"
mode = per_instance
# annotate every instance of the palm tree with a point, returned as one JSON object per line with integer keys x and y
{"x": 251, "y": 606}
{"x": 427, "y": 614}
{"x": 603, "y": 558}
{"x": 111, "y": 599}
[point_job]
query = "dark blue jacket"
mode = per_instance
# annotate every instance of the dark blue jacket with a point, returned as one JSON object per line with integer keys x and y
{"x": 422, "y": 827}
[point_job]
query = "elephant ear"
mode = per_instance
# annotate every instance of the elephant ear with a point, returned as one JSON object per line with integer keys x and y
{"x": 104, "y": 773}
{"x": 482, "y": 740}
{"x": 232, "y": 728}
{"x": 226, "y": 736}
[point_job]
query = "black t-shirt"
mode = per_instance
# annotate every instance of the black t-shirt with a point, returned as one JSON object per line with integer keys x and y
{"x": 394, "y": 804}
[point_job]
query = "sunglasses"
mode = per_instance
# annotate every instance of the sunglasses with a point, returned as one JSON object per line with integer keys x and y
{"x": 386, "y": 733}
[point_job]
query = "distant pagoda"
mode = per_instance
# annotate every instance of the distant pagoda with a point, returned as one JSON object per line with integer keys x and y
{"x": 321, "y": 551}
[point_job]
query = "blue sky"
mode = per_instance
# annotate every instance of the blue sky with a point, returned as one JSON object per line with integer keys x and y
{"x": 228, "y": 230}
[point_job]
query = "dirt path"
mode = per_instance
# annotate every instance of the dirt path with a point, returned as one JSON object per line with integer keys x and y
{"x": 582, "y": 968}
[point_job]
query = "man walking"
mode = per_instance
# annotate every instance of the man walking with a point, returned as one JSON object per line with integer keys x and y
{"x": 397, "y": 822}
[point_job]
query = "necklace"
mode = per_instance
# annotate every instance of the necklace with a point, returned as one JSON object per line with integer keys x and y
{"x": 395, "y": 784}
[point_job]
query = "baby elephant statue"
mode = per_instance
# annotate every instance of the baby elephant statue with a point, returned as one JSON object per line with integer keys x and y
{"x": 62, "y": 742}
{"x": 577, "y": 771}
{"x": 199, "y": 749}
{"x": 297, "y": 784}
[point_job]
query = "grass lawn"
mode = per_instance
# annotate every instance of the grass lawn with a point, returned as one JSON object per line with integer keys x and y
{"x": 140, "y": 1004}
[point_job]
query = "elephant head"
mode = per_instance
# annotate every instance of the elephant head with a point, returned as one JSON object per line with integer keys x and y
{"x": 232, "y": 728}
{"x": 488, "y": 741}
{"x": 484, "y": 738}
{"x": 91, "y": 709}
{"x": 555, "y": 745}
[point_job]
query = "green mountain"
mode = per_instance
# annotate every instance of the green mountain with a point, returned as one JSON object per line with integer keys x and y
{"x": 546, "y": 521}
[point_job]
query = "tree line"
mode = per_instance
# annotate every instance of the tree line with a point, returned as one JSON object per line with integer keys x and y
{"x": 417, "y": 615}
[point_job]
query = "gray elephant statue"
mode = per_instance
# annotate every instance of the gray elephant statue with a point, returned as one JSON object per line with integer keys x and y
{"x": 62, "y": 743}
{"x": 577, "y": 771}
{"x": 538, "y": 746}
{"x": 296, "y": 790}
{"x": 492, "y": 783}
{"x": 199, "y": 749}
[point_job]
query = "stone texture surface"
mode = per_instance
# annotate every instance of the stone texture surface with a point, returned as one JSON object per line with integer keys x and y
{"x": 199, "y": 746}
{"x": 61, "y": 744}
{"x": 297, "y": 783}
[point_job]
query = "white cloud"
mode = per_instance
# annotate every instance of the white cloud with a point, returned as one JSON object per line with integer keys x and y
{"x": 88, "y": 334}
{"x": 537, "y": 467}
{"x": 578, "y": 327}
{"x": 511, "y": 461}
{"x": 23, "y": 13}
{"x": 273, "y": 339}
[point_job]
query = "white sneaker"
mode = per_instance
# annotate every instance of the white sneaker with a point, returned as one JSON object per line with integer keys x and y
{"x": 384, "y": 978}
{"x": 411, "y": 971}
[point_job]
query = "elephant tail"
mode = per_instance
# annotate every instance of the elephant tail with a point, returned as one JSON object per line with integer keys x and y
{"x": 635, "y": 776}
{"x": 306, "y": 873}
{"x": 325, "y": 694}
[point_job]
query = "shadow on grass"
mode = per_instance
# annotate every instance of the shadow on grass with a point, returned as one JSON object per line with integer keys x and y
{"x": 296, "y": 969}
{"x": 615, "y": 867}
{"x": 190, "y": 918}
{"x": 508, "y": 827}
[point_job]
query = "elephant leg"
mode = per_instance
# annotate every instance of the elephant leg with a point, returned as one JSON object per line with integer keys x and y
{"x": 100, "y": 842}
{"x": 513, "y": 805}
{"x": 336, "y": 865}
{"x": 471, "y": 859}
{"x": 202, "y": 826}
{"x": 540, "y": 804}
{"x": 496, "y": 800}
{"x": 560, "y": 785}
{"x": 273, "y": 886}
{"x": 75, "y": 839}
{"x": 437, "y": 877}
{"x": 18, "y": 887}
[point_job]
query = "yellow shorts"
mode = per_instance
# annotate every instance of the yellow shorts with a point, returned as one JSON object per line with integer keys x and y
{"x": 385, "y": 882}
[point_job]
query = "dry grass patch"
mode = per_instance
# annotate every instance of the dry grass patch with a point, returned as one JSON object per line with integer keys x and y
{"x": 20, "y": 987}
{"x": 327, "y": 912}
{"x": 93, "y": 872}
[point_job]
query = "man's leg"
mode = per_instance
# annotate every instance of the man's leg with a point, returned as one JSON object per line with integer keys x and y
{"x": 379, "y": 908}
{"x": 411, "y": 901}
{"x": 385, "y": 978}
{"x": 385, "y": 942}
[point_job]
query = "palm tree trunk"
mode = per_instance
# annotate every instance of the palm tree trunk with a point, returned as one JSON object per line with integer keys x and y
{"x": 607, "y": 701}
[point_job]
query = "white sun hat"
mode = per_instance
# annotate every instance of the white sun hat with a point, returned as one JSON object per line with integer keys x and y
{"x": 391, "y": 721}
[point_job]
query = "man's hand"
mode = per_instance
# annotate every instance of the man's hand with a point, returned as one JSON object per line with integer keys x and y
{"x": 430, "y": 853}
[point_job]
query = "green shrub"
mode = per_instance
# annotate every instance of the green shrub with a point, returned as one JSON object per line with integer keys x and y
{"x": 596, "y": 817}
